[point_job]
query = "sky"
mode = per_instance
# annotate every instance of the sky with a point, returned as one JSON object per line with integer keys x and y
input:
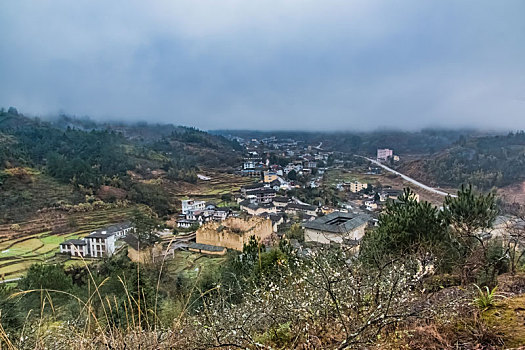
{"x": 268, "y": 65}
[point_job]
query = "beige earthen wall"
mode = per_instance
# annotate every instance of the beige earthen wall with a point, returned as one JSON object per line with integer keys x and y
{"x": 235, "y": 233}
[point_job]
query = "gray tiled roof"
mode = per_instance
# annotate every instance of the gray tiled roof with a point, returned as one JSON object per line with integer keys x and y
{"x": 133, "y": 242}
{"x": 255, "y": 206}
{"x": 263, "y": 191}
{"x": 323, "y": 223}
{"x": 208, "y": 247}
{"x": 223, "y": 209}
{"x": 244, "y": 202}
{"x": 100, "y": 234}
{"x": 274, "y": 217}
{"x": 253, "y": 186}
{"x": 300, "y": 206}
{"x": 118, "y": 227}
{"x": 74, "y": 241}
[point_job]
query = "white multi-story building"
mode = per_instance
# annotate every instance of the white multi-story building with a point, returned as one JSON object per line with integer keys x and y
{"x": 74, "y": 247}
{"x": 101, "y": 244}
{"x": 251, "y": 163}
{"x": 98, "y": 244}
{"x": 357, "y": 186}
{"x": 192, "y": 205}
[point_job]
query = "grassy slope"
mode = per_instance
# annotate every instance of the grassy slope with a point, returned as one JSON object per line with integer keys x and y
{"x": 37, "y": 235}
{"x": 190, "y": 264}
{"x": 508, "y": 317}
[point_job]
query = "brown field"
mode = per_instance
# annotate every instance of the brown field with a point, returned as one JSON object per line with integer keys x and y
{"x": 514, "y": 193}
{"x": 212, "y": 190}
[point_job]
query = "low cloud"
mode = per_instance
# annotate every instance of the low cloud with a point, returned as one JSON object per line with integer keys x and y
{"x": 315, "y": 65}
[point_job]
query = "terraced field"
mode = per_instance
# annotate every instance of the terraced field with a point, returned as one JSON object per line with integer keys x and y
{"x": 38, "y": 243}
{"x": 212, "y": 190}
{"x": 190, "y": 264}
{"x": 23, "y": 243}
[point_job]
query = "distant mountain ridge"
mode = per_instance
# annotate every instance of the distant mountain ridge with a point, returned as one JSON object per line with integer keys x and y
{"x": 366, "y": 143}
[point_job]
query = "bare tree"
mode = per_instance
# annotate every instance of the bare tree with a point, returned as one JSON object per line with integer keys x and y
{"x": 515, "y": 229}
{"x": 329, "y": 294}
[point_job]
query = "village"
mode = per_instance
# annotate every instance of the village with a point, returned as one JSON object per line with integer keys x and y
{"x": 262, "y": 175}
{"x": 283, "y": 172}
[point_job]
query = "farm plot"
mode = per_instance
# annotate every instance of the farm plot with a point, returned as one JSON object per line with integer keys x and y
{"x": 211, "y": 190}
{"x": 190, "y": 264}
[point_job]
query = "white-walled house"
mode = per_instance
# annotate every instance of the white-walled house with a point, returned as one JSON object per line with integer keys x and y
{"x": 371, "y": 205}
{"x": 192, "y": 205}
{"x": 101, "y": 244}
{"x": 209, "y": 213}
{"x": 98, "y": 244}
{"x": 74, "y": 247}
{"x": 384, "y": 153}
{"x": 184, "y": 223}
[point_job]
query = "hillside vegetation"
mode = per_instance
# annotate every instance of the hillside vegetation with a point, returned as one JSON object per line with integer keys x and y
{"x": 51, "y": 163}
{"x": 486, "y": 162}
{"x": 366, "y": 143}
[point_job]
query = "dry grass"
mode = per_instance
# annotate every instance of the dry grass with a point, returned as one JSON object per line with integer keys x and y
{"x": 93, "y": 328}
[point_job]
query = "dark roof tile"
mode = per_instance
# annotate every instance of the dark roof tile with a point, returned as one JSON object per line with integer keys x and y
{"x": 337, "y": 222}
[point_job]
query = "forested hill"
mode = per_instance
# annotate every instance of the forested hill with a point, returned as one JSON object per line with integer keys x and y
{"x": 87, "y": 155}
{"x": 426, "y": 141}
{"x": 486, "y": 162}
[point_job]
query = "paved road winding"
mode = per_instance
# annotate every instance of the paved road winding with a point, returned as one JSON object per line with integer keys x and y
{"x": 409, "y": 179}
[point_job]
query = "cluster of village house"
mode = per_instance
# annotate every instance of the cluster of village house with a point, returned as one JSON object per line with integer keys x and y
{"x": 369, "y": 200}
{"x": 234, "y": 232}
{"x": 305, "y": 160}
{"x": 195, "y": 212}
{"x": 262, "y": 211}
{"x": 373, "y": 200}
{"x": 274, "y": 174}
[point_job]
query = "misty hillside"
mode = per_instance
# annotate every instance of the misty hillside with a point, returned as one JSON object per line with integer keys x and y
{"x": 67, "y": 158}
{"x": 366, "y": 143}
{"x": 486, "y": 162}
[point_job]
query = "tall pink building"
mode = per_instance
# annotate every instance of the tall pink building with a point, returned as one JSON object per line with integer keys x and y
{"x": 384, "y": 153}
